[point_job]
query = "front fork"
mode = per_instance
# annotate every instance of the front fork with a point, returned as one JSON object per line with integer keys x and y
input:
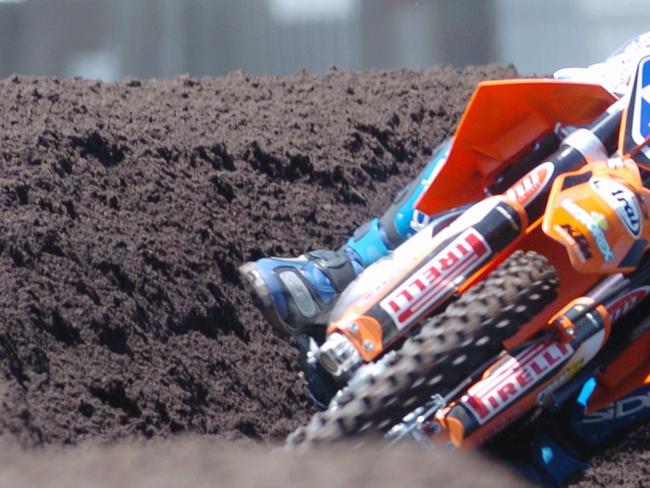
{"x": 431, "y": 270}
{"x": 546, "y": 373}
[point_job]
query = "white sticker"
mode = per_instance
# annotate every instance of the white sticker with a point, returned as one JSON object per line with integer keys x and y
{"x": 514, "y": 378}
{"x": 592, "y": 226}
{"x": 622, "y": 201}
{"x": 436, "y": 279}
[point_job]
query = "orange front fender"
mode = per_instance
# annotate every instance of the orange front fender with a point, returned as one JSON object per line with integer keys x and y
{"x": 502, "y": 120}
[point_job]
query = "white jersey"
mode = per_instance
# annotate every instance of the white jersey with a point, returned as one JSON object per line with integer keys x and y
{"x": 614, "y": 73}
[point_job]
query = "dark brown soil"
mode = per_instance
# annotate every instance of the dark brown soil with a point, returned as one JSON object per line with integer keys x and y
{"x": 126, "y": 209}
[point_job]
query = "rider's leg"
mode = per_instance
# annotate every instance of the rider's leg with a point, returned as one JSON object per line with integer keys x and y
{"x": 296, "y": 294}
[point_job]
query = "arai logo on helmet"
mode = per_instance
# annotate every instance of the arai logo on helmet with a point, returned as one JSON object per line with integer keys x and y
{"x": 622, "y": 201}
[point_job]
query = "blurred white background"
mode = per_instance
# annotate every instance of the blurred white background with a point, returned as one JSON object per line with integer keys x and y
{"x": 110, "y": 39}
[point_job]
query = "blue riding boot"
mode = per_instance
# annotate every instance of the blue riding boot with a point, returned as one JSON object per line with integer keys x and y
{"x": 296, "y": 295}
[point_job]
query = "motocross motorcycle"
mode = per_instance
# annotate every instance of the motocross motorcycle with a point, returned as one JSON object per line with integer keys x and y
{"x": 517, "y": 290}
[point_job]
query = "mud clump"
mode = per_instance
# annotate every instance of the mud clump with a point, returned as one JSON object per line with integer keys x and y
{"x": 126, "y": 209}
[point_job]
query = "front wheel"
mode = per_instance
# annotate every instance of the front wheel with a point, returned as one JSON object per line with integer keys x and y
{"x": 449, "y": 347}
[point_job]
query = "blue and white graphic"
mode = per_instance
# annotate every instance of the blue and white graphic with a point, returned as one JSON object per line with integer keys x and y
{"x": 622, "y": 415}
{"x": 641, "y": 121}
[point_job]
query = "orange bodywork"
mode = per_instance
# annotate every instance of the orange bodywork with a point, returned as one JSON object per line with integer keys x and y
{"x": 584, "y": 233}
{"x": 570, "y": 212}
{"x": 502, "y": 119}
{"x": 566, "y": 236}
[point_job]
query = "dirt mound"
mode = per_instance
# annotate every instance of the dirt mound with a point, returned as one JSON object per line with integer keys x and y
{"x": 199, "y": 463}
{"x": 126, "y": 209}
